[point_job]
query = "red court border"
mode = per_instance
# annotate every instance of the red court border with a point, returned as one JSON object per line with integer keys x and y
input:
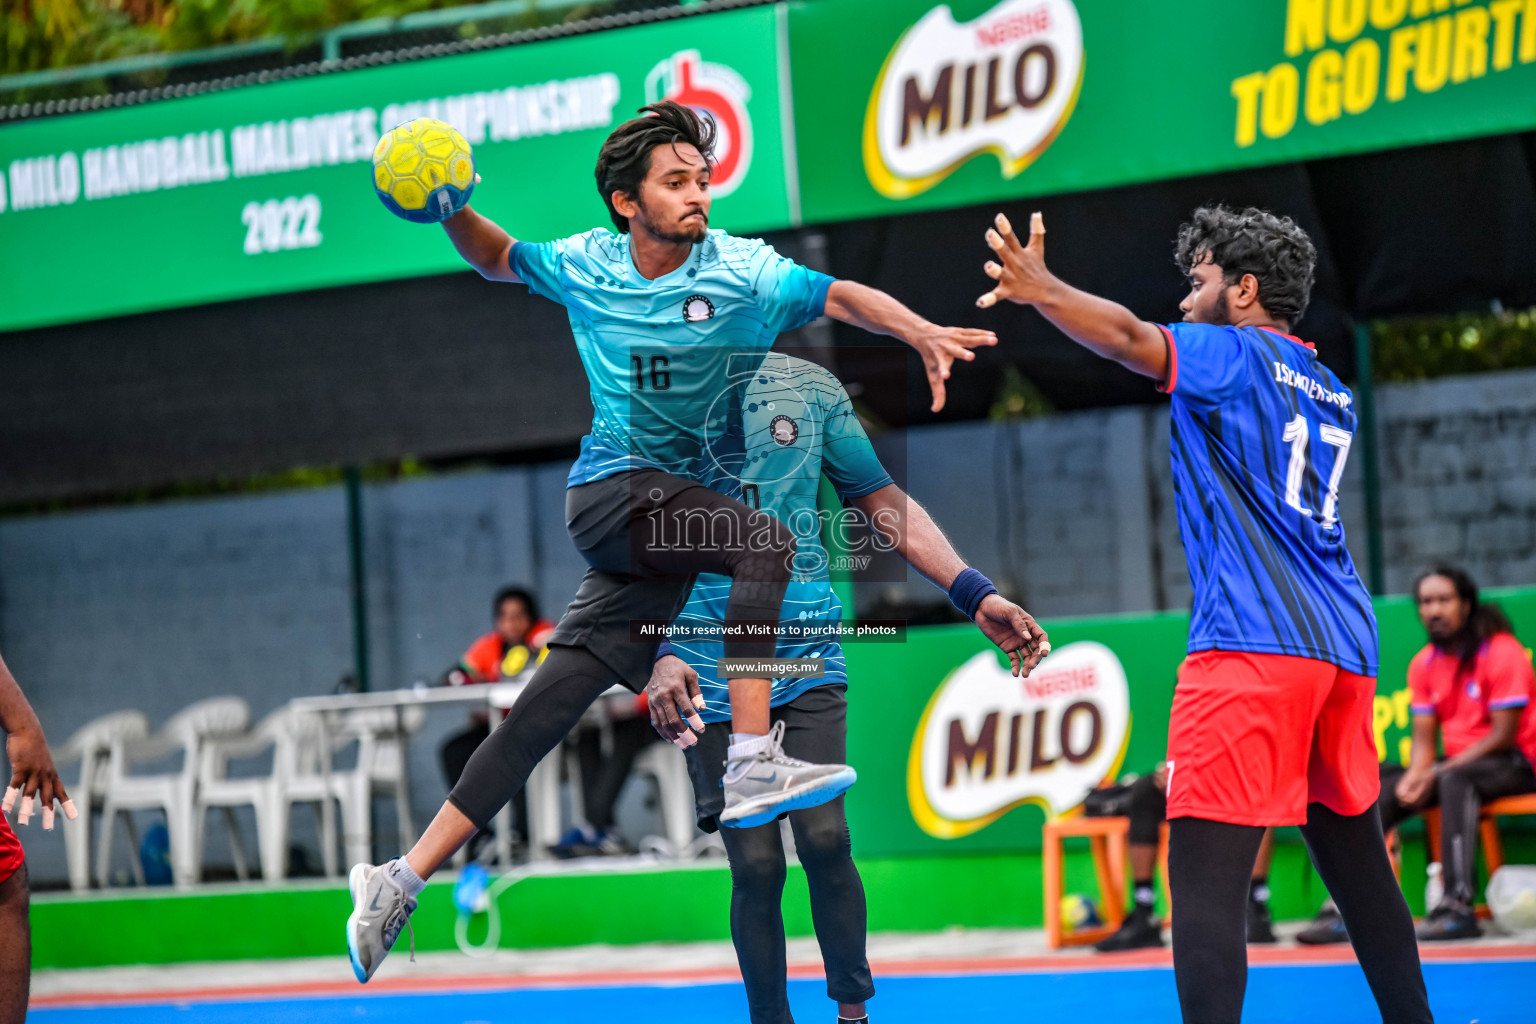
{"x": 1137, "y": 960}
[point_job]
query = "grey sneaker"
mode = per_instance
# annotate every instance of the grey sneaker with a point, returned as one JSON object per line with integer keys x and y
{"x": 758, "y": 789}
{"x": 379, "y": 911}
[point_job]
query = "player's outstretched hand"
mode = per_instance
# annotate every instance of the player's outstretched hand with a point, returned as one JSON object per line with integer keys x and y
{"x": 1022, "y": 276}
{"x": 941, "y": 347}
{"x": 674, "y": 701}
{"x": 1015, "y": 631}
{"x": 33, "y": 778}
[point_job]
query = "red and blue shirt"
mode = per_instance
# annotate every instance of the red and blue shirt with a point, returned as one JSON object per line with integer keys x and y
{"x": 1501, "y": 678}
{"x": 1261, "y": 433}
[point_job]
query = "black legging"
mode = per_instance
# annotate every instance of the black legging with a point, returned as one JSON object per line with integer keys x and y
{"x": 1460, "y": 794}
{"x": 1148, "y": 811}
{"x": 838, "y": 911}
{"x": 456, "y": 752}
{"x": 564, "y": 685}
{"x": 1209, "y": 866}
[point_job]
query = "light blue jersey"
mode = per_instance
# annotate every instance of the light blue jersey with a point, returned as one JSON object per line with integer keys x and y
{"x": 658, "y": 353}
{"x": 796, "y": 423}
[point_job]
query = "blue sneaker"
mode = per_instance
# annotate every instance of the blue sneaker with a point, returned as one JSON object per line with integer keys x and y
{"x": 1325, "y": 930}
{"x": 578, "y": 841}
{"x": 1449, "y": 921}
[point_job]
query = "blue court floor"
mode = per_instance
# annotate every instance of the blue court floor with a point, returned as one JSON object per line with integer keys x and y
{"x": 1496, "y": 992}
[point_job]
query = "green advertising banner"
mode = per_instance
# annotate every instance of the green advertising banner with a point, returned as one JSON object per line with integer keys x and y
{"x": 912, "y": 105}
{"x": 954, "y": 754}
{"x": 896, "y": 105}
{"x": 268, "y": 188}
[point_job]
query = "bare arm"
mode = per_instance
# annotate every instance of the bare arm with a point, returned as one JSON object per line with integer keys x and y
{"x": 483, "y": 244}
{"x": 1099, "y": 325}
{"x": 1415, "y": 783}
{"x": 878, "y": 313}
{"x": 1505, "y": 724}
{"x": 911, "y": 531}
{"x": 32, "y": 770}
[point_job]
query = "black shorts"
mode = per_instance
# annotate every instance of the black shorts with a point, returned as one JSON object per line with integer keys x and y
{"x": 599, "y": 517}
{"x": 815, "y": 730}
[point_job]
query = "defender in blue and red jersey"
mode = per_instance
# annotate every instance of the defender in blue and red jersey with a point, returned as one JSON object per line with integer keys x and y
{"x": 1271, "y": 721}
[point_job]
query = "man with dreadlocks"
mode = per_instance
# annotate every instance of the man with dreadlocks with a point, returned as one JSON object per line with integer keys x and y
{"x": 1472, "y": 687}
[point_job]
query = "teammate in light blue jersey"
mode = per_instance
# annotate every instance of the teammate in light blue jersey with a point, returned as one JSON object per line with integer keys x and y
{"x": 798, "y": 424}
{"x": 1271, "y": 719}
{"x": 662, "y": 311}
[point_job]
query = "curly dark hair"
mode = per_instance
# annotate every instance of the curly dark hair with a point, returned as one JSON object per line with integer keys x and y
{"x": 1252, "y": 241}
{"x": 625, "y": 158}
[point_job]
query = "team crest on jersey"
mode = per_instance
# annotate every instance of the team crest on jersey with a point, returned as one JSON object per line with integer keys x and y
{"x": 698, "y": 307}
{"x": 785, "y": 431}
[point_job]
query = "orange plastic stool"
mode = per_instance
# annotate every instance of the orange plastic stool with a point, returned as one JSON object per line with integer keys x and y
{"x": 1107, "y": 838}
{"x": 1488, "y": 832}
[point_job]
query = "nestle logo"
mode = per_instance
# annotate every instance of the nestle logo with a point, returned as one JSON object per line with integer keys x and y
{"x": 1059, "y": 684}
{"x": 1018, "y": 26}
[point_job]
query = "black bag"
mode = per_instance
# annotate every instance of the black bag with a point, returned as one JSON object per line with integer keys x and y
{"x": 1108, "y": 802}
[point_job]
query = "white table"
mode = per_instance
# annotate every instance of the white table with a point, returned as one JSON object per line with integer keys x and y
{"x": 543, "y": 787}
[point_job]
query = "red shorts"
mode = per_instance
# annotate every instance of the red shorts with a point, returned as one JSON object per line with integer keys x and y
{"x": 1254, "y": 738}
{"x": 11, "y": 855}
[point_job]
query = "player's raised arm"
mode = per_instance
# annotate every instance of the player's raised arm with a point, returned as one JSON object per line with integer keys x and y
{"x": 1102, "y": 326}
{"x": 879, "y": 313}
{"x": 483, "y": 243}
{"x": 908, "y": 527}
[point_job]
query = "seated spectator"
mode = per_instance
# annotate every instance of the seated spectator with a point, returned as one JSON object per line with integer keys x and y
{"x": 602, "y": 779}
{"x": 1471, "y": 688}
{"x": 1148, "y": 811}
{"x": 515, "y": 642}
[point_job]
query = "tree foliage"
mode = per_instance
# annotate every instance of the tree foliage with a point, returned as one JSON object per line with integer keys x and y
{"x": 1438, "y": 346}
{"x": 42, "y": 34}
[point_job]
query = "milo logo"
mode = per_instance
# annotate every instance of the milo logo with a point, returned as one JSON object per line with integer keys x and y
{"x": 1003, "y": 84}
{"x": 989, "y": 742}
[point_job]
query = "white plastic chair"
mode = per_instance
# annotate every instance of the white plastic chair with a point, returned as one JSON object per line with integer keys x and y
{"x": 188, "y": 733}
{"x": 383, "y": 768}
{"x": 297, "y": 776}
{"x": 91, "y": 744}
{"x": 667, "y": 765}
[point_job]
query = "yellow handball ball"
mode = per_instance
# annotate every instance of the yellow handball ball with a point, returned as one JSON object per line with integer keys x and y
{"x": 423, "y": 170}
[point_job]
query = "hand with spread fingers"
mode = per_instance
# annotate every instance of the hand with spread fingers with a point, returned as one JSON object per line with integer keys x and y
{"x": 675, "y": 701}
{"x": 1022, "y": 276}
{"x": 33, "y": 777}
{"x": 940, "y": 347}
{"x": 1014, "y": 631}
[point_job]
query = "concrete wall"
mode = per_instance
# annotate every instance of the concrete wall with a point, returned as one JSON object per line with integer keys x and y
{"x": 1458, "y": 463}
{"x": 155, "y": 606}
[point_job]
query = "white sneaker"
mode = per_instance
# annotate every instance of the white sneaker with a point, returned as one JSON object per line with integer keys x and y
{"x": 379, "y": 911}
{"x": 763, "y": 786}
